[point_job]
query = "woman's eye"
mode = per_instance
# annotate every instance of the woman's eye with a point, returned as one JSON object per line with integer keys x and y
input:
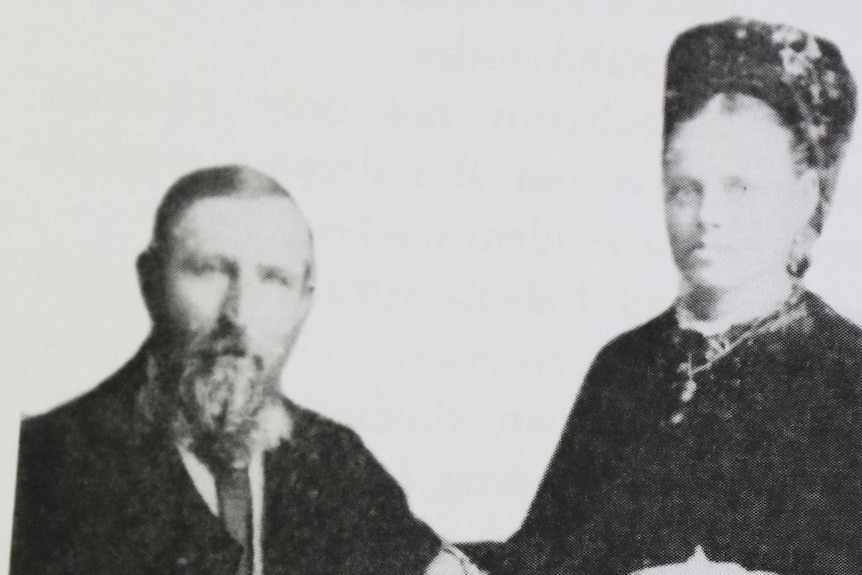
{"x": 684, "y": 192}
{"x": 737, "y": 187}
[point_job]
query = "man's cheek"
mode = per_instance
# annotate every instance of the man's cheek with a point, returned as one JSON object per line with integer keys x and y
{"x": 193, "y": 298}
{"x": 271, "y": 351}
{"x": 277, "y": 331}
{"x": 188, "y": 315}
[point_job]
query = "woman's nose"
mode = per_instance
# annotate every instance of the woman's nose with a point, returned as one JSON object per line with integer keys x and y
{"x": 713, "y": 206}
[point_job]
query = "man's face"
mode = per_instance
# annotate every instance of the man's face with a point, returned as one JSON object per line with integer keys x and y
{"x": 235, "y": 295}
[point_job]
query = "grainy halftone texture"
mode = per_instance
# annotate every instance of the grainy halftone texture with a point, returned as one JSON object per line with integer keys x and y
{"x": 743, "y": 448}
{"x": 99, "y": 494}
{"x": 234, "y": 502}
{"x": 761, "y": 470}
{"x": 801, "y": 76}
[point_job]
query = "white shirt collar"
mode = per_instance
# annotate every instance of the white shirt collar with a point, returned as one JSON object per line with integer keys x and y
{"x": 205, "y": 484}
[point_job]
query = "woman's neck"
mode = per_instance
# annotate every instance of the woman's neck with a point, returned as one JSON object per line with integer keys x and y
{"x": 729, "y": 306}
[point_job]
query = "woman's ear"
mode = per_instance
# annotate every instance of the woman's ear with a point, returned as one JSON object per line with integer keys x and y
{"x": 810, "y": 183}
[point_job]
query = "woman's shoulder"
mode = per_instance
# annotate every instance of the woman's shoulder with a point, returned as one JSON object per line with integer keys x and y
{"x": 831, "y": 346}
{"x": 618, "y": 382}
{"x": 832, "y": 331}
{"x": 644, "y": 338}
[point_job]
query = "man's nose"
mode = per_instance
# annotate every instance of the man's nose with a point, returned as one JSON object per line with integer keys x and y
{"x": 239, "y": 300}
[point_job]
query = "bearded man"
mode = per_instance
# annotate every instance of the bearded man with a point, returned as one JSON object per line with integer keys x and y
{"x": 189, "y": 459}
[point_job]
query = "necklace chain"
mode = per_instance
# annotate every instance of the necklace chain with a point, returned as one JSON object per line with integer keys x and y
{"x": 722, "y": 346}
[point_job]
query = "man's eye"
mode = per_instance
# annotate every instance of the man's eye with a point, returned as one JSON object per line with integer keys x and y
{"x": 277, "y": 277}
{"x": 203, "y": 267}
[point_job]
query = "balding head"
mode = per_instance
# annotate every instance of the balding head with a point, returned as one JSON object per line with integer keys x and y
{"x": 228, "y": 181}
{"x": 231, "y": 181}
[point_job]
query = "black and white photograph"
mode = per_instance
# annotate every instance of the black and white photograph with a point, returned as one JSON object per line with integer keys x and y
{"x": 440, "y": 288}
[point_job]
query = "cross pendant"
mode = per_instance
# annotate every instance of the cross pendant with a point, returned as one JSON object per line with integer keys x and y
{"x": 689, "y": 390}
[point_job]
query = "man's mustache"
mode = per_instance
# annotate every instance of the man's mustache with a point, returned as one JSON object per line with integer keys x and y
{"x": 233, "y": 347}
{"x": 211, "y": 349}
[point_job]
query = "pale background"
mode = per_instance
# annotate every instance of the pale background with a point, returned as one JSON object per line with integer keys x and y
{"x": 482, "y": 179}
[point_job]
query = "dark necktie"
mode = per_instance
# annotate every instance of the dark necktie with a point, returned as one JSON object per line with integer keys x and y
{"x": 234, "y": 502}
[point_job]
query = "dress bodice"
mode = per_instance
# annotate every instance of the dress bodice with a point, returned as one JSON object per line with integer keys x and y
{"x": 760, "y": 465}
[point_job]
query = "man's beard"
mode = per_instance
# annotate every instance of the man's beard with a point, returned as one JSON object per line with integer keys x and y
{"x": 226, "y": 406}
{"x": 221, "y": 398}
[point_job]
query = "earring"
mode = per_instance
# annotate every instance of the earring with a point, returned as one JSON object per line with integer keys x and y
{"x": 798, "y": 260}
{"x": 798, "y": 267}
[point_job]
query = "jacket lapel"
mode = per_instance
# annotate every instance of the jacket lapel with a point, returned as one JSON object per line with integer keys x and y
{"x": 300, "y": 524}
{"x": 165, "y": 524}
{"x": 169, "y": 522}
{"x": 286, "y": 518}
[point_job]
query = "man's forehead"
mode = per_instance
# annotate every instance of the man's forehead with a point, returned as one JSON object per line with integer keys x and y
{"x": 263, "y": 227}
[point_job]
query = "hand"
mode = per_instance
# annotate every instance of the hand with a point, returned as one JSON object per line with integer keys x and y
{"x": 699, "y": 564}
{"x": 450, "y": 561}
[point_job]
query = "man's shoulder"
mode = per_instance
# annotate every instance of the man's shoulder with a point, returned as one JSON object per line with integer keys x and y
{"x": 102, "y": 412}
{"x": 317, "y": 432}
{"x": 331, "y": 451}
{"x": 324, "y": 469}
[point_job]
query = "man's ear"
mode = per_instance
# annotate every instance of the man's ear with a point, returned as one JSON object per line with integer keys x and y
{"x": 308, "y": 283}
{"x": 150, "y": 281}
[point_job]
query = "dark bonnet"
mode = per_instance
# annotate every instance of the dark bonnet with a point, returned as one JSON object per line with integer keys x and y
{"x": 802, "y": 77}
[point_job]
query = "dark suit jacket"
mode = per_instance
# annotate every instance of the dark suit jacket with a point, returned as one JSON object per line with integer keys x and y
{"x": 97, "y": 494}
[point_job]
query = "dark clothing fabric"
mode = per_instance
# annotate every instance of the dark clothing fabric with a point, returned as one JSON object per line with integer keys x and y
{"x": 764, "y": 469}
{"x": 97, "y": 495}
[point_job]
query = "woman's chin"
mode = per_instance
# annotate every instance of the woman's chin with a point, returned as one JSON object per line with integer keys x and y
{"x": 712, "y": 278}
{"x": 729, "y": 275}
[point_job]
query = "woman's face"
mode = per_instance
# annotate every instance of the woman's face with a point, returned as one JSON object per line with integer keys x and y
{"x": 735, "y": 197}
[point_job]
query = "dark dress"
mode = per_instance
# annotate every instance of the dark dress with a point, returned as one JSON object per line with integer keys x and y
{"x": 763, "y": 468}
{"x": 97, "y": 495}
